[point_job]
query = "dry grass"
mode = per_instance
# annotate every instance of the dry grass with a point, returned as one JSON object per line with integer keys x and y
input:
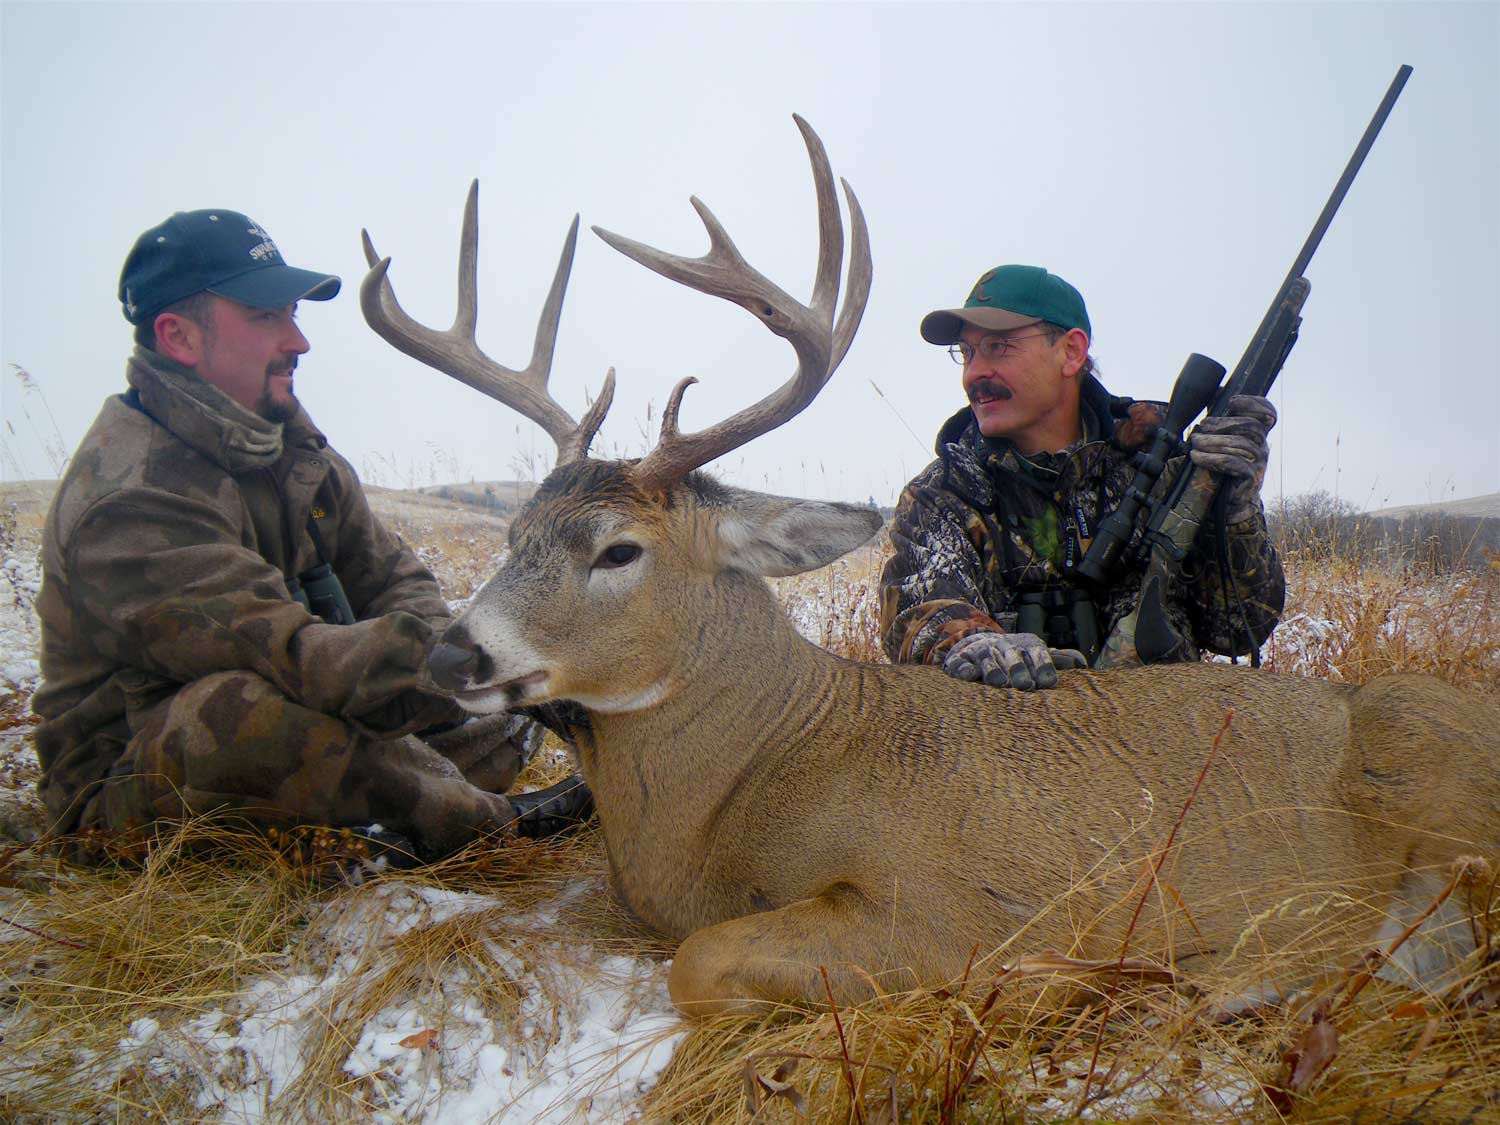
{"x": 1050, "y": 1040}
{"x": 1346, "y": 620}
{"x": 838, "y": 606}
{"x": 90, "y": 952}
{"x": 460, "y": 543}
{"x": 211, "y": 916}
{"x": 86, "y": 954}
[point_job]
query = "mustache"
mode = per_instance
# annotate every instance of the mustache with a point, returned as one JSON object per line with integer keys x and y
{"x": 987, "y": 388}
{"x": 285, "y": 367}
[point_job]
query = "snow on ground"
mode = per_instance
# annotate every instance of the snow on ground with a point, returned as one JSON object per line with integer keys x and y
{"x": 440, "y": 1062}
{"x": 20, "y": 579}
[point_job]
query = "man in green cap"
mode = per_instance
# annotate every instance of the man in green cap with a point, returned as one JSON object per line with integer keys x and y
{"x": 988, "y": 537}
{"x": 227, "y": 628}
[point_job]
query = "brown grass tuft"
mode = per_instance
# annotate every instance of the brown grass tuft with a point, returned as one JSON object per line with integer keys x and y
{"x": 1348, "y": 622}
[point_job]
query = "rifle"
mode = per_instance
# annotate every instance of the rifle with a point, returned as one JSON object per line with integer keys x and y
{"x": 1145, "y": 636}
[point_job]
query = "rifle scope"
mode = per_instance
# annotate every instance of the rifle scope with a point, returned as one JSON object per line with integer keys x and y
{"x": 1195, "y": 388}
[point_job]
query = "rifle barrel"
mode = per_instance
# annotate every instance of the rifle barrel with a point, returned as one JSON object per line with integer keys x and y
{"x": 1350, "y": 171}
{"x": 1259, "y": 340}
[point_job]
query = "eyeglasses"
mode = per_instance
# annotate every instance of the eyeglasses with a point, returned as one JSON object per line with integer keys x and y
{"x": 991, "y": 349}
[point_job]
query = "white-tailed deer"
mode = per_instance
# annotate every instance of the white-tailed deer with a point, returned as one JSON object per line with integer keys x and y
{"x": 780, "y": 809}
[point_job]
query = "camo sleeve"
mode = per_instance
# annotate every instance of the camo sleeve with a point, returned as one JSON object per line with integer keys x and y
{"x": 931, "y": 591}
{"x": 1222, "y": 612}
{"x": 379, "y": 572}
{"x": 170, "y": 588}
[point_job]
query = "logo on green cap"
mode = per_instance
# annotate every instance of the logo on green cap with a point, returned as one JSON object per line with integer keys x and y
{"x": 1030, "y": 291}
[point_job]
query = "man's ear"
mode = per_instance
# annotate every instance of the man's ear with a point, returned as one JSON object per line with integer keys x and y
{"x": 1075, "y": 351}
{"x": 179, "y": 338}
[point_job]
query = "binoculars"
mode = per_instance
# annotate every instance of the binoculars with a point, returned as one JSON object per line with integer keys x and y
{"x": 1063, "y": 618}
{"x": 322, "y": 594}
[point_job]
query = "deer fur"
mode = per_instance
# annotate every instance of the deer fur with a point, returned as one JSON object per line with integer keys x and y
{"x": 782, "y": 811}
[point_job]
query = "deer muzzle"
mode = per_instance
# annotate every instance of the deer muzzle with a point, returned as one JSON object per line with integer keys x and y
{"x": 452, "y": 666}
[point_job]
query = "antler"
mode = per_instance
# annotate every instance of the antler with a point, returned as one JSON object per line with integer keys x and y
{"x": 819, "y": 343}
{"x": 456, "y": 353}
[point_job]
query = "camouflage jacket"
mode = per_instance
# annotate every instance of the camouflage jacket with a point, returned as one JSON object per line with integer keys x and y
{"x": 982, "y": 525}
{"x": 165, "y": 559}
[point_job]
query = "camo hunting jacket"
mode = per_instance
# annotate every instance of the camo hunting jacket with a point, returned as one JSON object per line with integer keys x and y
{"x": 165, "y": 559}
{"x": 982, "y": 525}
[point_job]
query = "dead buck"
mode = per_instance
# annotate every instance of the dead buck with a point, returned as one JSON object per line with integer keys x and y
{"x": 779, "y": 809}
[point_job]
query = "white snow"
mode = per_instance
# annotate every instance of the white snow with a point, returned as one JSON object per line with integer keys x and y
{"x": 20, "y": 579}
{"x": 440, "y": 1060}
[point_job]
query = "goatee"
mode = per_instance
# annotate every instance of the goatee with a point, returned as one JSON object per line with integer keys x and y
{"x": 279, "y": 411}
{"x": 273, "y": 410}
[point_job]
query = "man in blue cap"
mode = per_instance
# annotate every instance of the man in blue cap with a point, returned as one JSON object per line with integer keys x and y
{"x": 227, "y": 629}
{"x": 987, "y": 538}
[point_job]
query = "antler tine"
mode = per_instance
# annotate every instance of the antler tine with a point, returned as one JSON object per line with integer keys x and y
{"x": 723, "y": 272}
{"x": 455, "y": 352}
{"x": 593, "y": 418}
{"x": 861, "y": 274}
{"x": 830, "y": 234}
{"x": 669, "y": 428}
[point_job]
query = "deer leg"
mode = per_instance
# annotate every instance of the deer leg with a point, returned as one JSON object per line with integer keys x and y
{"x": 776, "y": 957}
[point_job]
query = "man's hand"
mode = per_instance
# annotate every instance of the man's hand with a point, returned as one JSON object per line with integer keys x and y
{"x": 411, "y": 710}
{"x": 1234, "y": 445}
{"x": 490, "y": 750}
{"x": 1019, "y": 660}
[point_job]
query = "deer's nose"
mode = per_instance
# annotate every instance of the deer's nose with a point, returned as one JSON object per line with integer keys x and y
{"x": 452, "y": 667}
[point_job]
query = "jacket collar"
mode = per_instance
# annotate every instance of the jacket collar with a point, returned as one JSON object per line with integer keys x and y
{"x": 971, "y": 461}
{"x": 207, "y": 420}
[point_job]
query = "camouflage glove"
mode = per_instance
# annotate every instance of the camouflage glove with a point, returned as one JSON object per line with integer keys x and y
{"x": 1019, "y": 660}
{"x": 411, "y": 710}
{"x": 489, "y": 750}
{"x": 1234, "y": 446}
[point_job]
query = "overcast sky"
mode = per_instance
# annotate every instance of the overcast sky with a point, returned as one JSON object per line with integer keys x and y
{"x": 1168, "y": 159}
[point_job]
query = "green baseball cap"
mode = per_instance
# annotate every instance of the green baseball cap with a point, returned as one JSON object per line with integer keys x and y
{"x": 219, "y": 251}
{"x": 1010, "y": 297}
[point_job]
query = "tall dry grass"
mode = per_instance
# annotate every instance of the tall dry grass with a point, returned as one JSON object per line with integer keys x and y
{"x": 1046, "y": 1039}
{"x": 1349, "y": 620}
{"x": 86, "y": 953}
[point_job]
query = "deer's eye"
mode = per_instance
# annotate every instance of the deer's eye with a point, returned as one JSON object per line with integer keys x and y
{"x": 621, "y": 554}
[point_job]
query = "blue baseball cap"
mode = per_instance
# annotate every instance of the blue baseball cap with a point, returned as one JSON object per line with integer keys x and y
{"x": 217, "y": 251}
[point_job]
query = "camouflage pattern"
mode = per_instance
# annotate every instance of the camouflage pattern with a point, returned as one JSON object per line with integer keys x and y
{"x": 490, "y": 750}
{"x": 173, "y": 654}
{"x": 982, "y": 524}
{"x": 283, "y": 765}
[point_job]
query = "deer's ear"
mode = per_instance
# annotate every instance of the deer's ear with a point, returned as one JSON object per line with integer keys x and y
{"x": 777, "y": 535}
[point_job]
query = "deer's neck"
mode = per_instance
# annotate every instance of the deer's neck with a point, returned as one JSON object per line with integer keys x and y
{"x": 745, "y": 683}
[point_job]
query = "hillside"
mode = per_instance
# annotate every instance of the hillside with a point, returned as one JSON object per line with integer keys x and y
{"x": 1476, "y": 507}
{"x": 1449, "y": 535}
